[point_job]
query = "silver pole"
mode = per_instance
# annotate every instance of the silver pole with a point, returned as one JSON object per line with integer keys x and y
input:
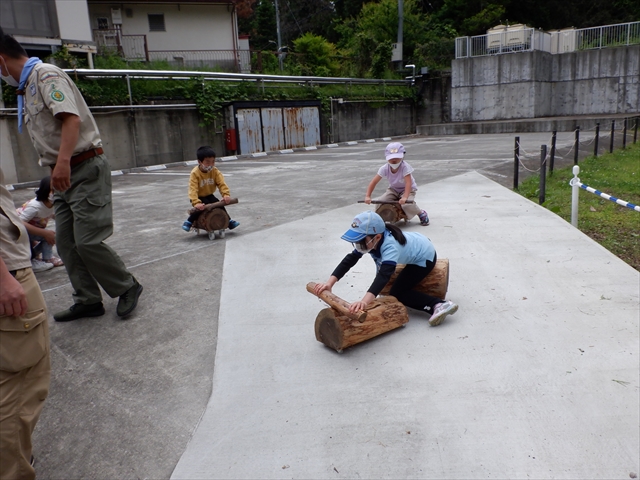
{"x": 279, "y": 36}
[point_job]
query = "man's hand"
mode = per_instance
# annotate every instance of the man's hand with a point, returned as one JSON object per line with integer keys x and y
{"x": 13, "y": 300}
{"x": 61, "y": 177}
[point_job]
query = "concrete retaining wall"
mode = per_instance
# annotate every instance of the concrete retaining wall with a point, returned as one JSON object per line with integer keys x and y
{"x": 154, "y": 136}
{"x": 538, "y": 84}
{"x": 361, "y": 120}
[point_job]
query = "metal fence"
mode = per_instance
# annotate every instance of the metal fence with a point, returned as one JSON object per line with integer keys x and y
{"x": 608, "y": 36}
{"x": 563, "y": 41}
{"x": 131, "y": 47}
{"x": 224, "y": 60}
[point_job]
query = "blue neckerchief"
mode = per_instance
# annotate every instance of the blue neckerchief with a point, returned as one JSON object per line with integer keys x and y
{"x": 26, "y": 71}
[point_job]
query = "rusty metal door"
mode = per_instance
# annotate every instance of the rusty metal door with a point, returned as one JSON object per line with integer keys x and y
{"x": 249, "y": 131}
{"x": 272, "y": 126}
{"x": 301, "y": 126}
{"x": 311, "y": 126}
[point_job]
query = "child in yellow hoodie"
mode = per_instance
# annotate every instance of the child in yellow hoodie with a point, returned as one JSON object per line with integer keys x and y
{"x": 203, "y": 181}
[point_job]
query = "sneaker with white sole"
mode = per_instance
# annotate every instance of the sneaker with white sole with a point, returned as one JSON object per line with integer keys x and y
{"x": 424, "y": 218}
{"x": 40, "y": 266}
{"x": 440, "y": 311}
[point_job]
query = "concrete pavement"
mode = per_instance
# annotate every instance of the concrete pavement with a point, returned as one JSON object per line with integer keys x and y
{"x": 536, "y": 376}
{"x": 126, "y": 396}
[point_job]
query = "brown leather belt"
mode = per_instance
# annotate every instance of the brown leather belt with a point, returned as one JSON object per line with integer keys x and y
{"x": 81, "y": 157}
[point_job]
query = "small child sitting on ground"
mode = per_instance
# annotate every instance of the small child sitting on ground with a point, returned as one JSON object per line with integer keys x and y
{"x": 402, "y": 185}
{"x": 203, "y": 181}
{"x": 35, "y": 214}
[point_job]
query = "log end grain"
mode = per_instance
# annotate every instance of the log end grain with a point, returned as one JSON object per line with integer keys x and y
{"x": 328, "y": 329}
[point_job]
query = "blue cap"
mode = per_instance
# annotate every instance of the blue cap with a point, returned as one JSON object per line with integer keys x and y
{"x": 365, "y": 223}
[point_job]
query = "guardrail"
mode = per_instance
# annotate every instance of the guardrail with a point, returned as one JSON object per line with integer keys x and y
{"x": 128, "y": 75}
{"x": 564, "y": 41}
{"x": 576, "y": 185}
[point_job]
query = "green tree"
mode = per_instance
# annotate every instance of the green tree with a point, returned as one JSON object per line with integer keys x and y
{"x": 315, "y": 56}
{"x": 377, "y": 24}
{"x": 263, "y": 26}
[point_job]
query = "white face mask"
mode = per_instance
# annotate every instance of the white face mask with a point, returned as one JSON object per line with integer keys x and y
{"x": 394, "y": 166}
{"x": 9, "y": 79}
{"x": 206, "y": 169}
{"x": 365, "y": 249}
{"x": 361, "y": 249}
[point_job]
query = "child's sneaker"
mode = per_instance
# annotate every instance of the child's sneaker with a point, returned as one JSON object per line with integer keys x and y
{"x": 424, "y": 218}
{"x": 40, "y": 266}
{"x": 233, "y": 224}
{"x": 440, "y": 311}
{"x": 186, "y": 226}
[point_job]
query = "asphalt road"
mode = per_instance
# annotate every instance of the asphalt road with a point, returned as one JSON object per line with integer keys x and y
{"x": 126, "y": 395}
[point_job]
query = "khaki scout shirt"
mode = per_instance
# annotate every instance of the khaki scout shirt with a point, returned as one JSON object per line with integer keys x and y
{"x": 14, "y": 239}
{"x": 50, "y": 91}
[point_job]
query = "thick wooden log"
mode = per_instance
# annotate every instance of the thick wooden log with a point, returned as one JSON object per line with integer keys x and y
{"x": 391, "y": 212}
{"x": 340, "y": 305}
{"x": 434, "y": 284}
{"x": 211, "y": 220}
{"x": 339, "y": 331}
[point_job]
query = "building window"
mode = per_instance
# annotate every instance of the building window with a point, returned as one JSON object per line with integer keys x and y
{"x": 156, "y": 22}
{"x": 103, "y": 23}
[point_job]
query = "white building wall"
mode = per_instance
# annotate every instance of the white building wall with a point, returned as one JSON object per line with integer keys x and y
{"x": 73, "y": 20}
{"x": 188, "y": 27}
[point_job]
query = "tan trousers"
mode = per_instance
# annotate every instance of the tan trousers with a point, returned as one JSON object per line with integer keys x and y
{"x": 25, "y": 372}
{"x": 410, "y": 209}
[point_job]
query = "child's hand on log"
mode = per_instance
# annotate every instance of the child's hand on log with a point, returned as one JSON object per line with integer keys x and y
{"x": 357, "y": 307}
{"x": 321, "y": 287}
{"x": 199, "y": 206}
{"x": 362, "y": 304}
{"x": 226, "y": 200}
{"x": 367, "y": 200}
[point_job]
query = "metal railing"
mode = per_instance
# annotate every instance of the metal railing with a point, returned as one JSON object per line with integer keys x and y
{"x": 131, "y": 47}
{"x": 608, "y": 36}
{"x": 226, "y": 60}
{"x": 563, "y": 41}
{"x": 225, "y": 76}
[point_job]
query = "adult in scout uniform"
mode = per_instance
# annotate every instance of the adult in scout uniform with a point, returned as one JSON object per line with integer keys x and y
{"x": 66, "y": 139}
{"x": 24, "y": 344}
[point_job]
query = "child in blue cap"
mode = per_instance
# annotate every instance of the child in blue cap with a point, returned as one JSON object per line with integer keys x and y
{"x": 389, "y": 246}
{"x": 402, "y": 185}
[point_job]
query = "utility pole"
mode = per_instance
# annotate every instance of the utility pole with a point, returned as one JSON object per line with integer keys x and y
{"x": 396, "y": 55}
{"x": 279, "y": 36}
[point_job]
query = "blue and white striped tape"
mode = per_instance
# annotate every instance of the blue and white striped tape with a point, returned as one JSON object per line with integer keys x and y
{"x": 609, "y": 197}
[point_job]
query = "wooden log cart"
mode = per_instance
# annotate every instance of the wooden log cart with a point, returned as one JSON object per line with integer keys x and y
{"x": 213, "y": 220}
{"x": 338, "y": 328}
{"x": 391, "y": 212}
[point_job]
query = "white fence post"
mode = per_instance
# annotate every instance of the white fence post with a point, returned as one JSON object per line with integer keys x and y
{"x": 575, "y": 191}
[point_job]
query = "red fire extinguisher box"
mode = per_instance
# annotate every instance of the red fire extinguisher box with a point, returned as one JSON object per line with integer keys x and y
{"x": 230, "y": 139}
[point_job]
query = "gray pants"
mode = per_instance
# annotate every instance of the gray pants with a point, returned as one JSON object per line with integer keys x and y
{"x": 83, "y": 222}
{"x": 410, "y": 209}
